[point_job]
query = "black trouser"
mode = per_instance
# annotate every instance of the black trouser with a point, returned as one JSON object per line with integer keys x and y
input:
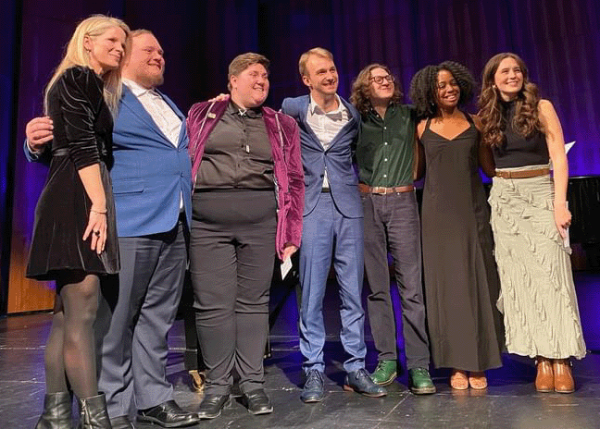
{"x": 393, "y": 220}
{"x": 232, "y": 252}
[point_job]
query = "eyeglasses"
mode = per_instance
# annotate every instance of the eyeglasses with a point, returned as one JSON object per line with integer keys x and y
{"x": 379, "y": 79}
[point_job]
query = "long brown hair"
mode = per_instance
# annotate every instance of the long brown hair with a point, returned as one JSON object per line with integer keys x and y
{"x": 526, "y": 120}
{"x": 361, "y": 88}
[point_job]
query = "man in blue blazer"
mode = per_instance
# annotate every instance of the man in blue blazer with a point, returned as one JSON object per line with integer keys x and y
{"x": 151, "y": 179}
{"x": 333, "y": 224}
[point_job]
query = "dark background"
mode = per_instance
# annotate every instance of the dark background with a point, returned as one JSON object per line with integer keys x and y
{"x": 558, "y": 39}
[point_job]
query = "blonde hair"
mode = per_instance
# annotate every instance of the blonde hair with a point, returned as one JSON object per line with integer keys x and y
{"x": 320, "y": 52}
{"x": 76, "y": 55}
{"x": 243, "y": 61}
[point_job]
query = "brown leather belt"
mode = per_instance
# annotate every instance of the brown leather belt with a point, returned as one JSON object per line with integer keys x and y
{"x": 522, "y": 174}
{"x": 366, "y": 189}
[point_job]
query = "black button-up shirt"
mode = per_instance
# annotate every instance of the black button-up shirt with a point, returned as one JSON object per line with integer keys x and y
{"x": 238, "y": 153}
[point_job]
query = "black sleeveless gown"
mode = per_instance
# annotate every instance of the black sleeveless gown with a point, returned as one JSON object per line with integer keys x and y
{"x": 461, "y": 281}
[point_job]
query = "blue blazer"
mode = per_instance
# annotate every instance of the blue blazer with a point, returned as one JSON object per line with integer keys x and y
{"x": 149, "y": 174}
{"x": 343, "y": 182}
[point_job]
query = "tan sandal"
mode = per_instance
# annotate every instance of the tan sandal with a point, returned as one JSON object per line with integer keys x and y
{"x": 478, "y": 380}
{"x": 459, "y": 380}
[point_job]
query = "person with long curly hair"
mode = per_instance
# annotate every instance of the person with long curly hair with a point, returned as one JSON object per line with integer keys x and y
{"x": 461, "y": 282}
{"x": 529, "y": 220}
{"x": 385, "y": 155}
{"x": 75, "y": 237}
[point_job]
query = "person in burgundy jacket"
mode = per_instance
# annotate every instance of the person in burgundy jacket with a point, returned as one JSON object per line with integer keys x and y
{"x": 246, "y": 208}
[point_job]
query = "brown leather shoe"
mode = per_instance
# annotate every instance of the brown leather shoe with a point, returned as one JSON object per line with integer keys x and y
{"x": 544, "y": 380}
{"x": 459, "y": 380}
{"x": 563, "y": 379}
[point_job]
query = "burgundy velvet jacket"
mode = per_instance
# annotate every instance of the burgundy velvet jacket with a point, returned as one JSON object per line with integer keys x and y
{"x": 285, "y": 148}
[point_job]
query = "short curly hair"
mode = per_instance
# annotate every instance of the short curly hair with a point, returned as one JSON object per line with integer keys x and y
{"x": 361, "y": 88}
{"x": 423, "y": 87}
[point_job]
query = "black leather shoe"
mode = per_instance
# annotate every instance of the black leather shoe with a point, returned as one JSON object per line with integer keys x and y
{"x": 168, "y": 415}
{"x": 121, "y": 422}
{"x": 258, "y": 402}
{"x": 313, "y": 390}
{"x": 360, "y": 382}
{"x": 211, "y": 406}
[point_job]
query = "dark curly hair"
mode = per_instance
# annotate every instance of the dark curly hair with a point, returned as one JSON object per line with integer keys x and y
{"x": 423, "y": 87}
{"x": 526, "y": 120}
{"x": 361, "y": 88}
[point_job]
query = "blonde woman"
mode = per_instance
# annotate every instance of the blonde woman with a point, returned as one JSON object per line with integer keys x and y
{"x": 74, "y": 238}
{"x": 530, "y": 220}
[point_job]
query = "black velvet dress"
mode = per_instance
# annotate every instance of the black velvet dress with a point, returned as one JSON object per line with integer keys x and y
{"x": 82, "y": 137}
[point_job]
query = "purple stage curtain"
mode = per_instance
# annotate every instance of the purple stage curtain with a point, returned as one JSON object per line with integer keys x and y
{"x": 558, "y": 39}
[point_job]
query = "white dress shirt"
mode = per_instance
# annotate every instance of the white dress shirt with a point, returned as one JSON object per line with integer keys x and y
{"x": 327, "y": 125}
{"x": 161, "y": 113}
{"x": 163, "y": 116}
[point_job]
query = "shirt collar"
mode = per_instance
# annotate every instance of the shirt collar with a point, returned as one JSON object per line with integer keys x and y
{"x": 137, "y": 89}
{"x": 253, "y": 112}
{"x": 391, "y": 107}
{"x": 314, "y": 108}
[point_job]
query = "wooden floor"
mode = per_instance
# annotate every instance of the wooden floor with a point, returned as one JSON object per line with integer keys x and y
{"x": 509, "y": 402}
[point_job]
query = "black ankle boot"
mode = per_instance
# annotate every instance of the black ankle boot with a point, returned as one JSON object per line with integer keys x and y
{"x": 93, "y": 413}
{"x": 57, "y": 412}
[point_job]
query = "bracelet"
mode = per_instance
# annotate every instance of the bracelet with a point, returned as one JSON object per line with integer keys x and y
{"x": 99, "y": 211}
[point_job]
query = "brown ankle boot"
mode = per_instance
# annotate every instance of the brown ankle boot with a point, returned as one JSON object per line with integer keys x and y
{"x": 544, "y": 380}
{"x": 563, "y": 379}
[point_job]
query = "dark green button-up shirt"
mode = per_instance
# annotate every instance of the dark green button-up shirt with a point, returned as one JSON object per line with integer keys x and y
{"x": 385, "y": 149}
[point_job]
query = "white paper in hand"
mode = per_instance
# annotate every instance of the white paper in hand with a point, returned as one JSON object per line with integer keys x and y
{"x": 286, "y": 266}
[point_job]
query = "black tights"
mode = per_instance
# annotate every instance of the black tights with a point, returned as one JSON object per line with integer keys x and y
{"x": 70, "y": 356}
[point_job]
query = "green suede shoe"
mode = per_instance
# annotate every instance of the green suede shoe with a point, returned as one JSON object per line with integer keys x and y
{"x": 385, "y": 373}
{"x": 420, "y": 382}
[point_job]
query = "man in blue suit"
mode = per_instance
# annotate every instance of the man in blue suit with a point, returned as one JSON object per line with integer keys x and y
{"x": 333, "y": 224}
{"x": 151, "y": 179}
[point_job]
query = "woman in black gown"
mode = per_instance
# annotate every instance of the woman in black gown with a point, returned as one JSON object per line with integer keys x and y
{"x": 74, "y": 240}
{"x": 461, "y": 282}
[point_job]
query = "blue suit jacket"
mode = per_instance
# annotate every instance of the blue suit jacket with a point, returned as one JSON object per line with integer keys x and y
{"x": 343, "y": 182}
{"x": 149, "y": 174}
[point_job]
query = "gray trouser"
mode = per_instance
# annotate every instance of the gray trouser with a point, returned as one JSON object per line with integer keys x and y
{"x": 393, "y": 220}
{"x": 134, "y": 319}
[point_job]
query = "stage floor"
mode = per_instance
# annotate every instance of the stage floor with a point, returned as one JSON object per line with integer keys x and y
{"x": 509, "y": 402}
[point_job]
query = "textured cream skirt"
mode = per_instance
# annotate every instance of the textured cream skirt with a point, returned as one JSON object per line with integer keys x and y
{"x": 537, "y": 298}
